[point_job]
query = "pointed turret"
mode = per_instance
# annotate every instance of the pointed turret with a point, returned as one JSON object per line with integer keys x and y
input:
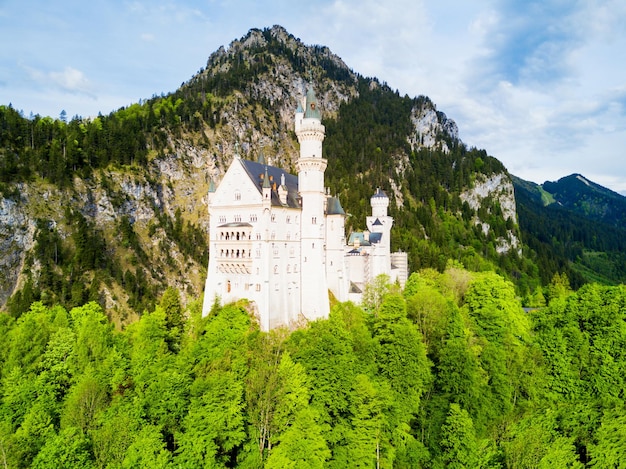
{"x": 312, "y": 110}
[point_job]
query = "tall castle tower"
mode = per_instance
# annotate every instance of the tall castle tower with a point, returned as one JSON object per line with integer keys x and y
{"x": 311, "y": 167}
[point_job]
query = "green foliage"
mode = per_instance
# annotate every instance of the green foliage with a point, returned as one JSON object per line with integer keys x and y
{"x": 449, "y": 372}
{"x": 458, "y": 440}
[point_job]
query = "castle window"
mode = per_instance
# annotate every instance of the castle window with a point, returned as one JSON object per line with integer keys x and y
{"x": 273, "y": 235}
{"x": 228, "y": 286}
{"x": 237, "y": 195}
{"x": 237, "y": 218}
{"x": 258, "y": 236}
{"x": 258, "y": 287}
{"x": 253, "y": 217}
{"x": 288, "y": 219}
{"x": 273, "y": 217}
{"x": 275, "y": 269}
{"x": 222, "y": 219}
{"x": 288, "y": 235}
{"x": 314, "y": 220}
{"x": 288, "y": 269}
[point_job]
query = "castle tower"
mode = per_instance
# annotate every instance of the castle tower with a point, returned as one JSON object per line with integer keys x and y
{"x": 380, "y": 222}
{"x": 311, "y": 167}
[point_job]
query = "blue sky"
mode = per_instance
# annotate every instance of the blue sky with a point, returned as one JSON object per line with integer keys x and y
{"x": 541, "y": 85}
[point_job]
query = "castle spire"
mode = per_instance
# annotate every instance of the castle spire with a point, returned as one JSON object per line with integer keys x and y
{"x": 312, "y": 110}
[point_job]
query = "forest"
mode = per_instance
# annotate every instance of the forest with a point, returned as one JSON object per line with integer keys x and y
{"x": 451, "y": 371}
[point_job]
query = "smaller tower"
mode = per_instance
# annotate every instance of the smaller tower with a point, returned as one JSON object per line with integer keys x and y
{"x": 380, "y": 223}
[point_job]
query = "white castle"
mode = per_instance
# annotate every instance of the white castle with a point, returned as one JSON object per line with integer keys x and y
{"x": 279, "y": 239}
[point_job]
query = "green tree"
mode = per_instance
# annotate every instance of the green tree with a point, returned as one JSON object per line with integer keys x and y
{"x": 458, "y": 440}
{"x": 70, "y": 449}
{"x": 299, "y": 441}
{"x": 610, "y": 448}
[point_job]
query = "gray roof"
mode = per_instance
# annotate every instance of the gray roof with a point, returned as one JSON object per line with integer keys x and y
{"x": 235, "y": 225}
{"x": 333, "y": 207}
{"x": 374, "y": 238}
{"x": 380, "y": 193}
{"x": 256, "y": 171}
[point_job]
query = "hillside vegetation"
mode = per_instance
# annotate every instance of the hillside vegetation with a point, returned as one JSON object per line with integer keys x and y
{"x": 113, "y": 208}
{"x": 451, "y": 372}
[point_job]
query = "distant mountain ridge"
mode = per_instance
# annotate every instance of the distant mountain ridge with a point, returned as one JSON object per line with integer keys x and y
{"x": 578, "y": 221}
{"x": 579, "y": 194}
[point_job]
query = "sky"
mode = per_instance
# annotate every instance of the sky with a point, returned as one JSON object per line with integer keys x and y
{"x": 540, "y": 85}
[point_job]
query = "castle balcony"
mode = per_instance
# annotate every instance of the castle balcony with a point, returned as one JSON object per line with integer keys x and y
{"x": 234, "y": 232}
{"x": 233, "y": 252}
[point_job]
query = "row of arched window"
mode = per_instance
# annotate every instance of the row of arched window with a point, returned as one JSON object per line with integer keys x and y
{"x": 236, "y": 253}
{"x": 234, "y": 269}
{"x": 235, "y": 235}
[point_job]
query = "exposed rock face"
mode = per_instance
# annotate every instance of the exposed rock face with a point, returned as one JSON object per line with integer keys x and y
{"x": 498, "y": 187}
{"x": 16, "y": 238}
{"x": 173, "y": 182}
{"x": 432, "y": 127}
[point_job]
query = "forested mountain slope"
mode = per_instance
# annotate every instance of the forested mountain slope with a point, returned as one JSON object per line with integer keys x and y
{"x": 574, "y": 226}
{"x": 113, "y": 208}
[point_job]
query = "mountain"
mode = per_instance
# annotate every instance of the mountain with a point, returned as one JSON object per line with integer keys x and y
{"x": 582, "y": 196}
{"x": 576, "y": 226}
{"x": 114, "y": 208}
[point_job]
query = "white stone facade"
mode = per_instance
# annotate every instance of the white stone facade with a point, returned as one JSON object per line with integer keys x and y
{"x": 279, "y": 239}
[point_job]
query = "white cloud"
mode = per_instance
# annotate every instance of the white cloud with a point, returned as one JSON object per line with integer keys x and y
{"x": 71, "y": 80}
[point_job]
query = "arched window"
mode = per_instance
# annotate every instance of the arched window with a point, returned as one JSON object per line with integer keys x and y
{"x": 275, "y": 269}
{"x": 228, "y": 286}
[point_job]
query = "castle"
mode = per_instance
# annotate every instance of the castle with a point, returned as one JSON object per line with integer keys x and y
{"x": 279, "y": 239}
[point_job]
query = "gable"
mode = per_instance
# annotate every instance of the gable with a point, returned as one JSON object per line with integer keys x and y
{"x": 236, "y": 188}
